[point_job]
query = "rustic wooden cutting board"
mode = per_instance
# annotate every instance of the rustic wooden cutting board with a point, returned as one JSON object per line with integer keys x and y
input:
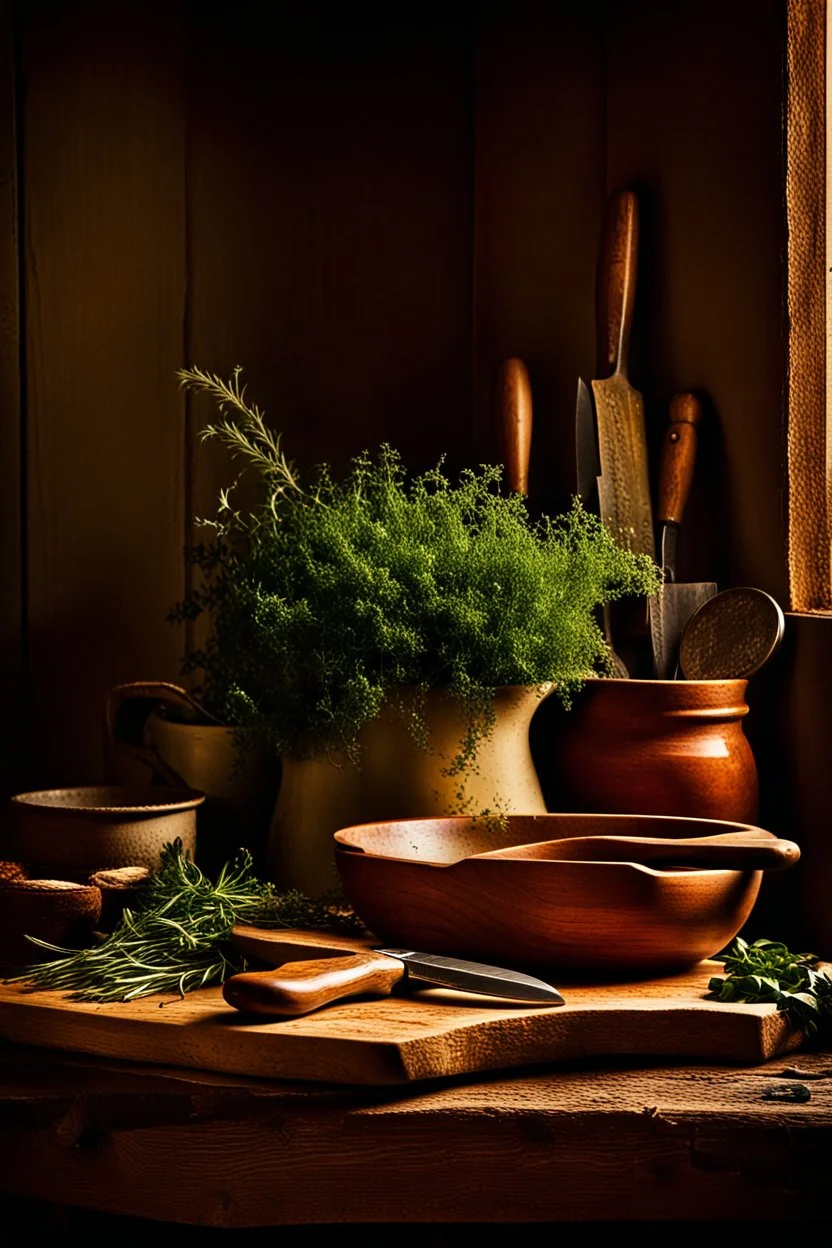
{"x": 423, "y": 1034}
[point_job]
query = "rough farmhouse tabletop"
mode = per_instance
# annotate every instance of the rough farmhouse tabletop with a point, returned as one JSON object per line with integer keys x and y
{"x": 632, "y": 1140}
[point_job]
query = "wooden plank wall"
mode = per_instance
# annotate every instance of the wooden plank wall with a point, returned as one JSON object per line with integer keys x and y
{"x": 104, "y": 253}
{"x": 11, "y": 567}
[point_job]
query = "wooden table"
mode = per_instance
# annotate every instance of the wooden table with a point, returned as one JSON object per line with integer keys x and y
{"x": 632, "y": 1140}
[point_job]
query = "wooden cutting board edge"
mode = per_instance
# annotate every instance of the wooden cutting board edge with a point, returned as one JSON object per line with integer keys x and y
{"x": 311, "y": 1049}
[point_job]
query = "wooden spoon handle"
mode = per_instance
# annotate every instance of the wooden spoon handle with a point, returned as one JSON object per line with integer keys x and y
{"x": 299, "y": 987}
{"x": 615, "y": 283}
{"x": 678, "y": 458}
{"x": 731, "y": 851}
{"x": 513, "y": 415}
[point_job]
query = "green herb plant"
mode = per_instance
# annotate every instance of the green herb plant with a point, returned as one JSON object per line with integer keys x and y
{"x": 178, "y": 939}
{"x": 766, "y": 971}
{"x": 328, "y": 599}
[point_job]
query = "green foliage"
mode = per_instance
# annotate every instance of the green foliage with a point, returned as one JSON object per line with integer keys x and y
{"x": 178, "y": 939}
{"x": 328, "y": 599}
{"x": 769, "y": 972}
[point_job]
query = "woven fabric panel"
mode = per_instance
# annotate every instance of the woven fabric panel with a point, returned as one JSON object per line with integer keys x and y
{"x": 809, "y": 460}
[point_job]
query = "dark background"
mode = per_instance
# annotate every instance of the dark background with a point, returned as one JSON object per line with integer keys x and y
{"x": 367, "y": 212}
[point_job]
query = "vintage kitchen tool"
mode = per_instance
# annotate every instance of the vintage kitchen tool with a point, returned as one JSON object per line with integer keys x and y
{"x": 731, "y": 635}
{"x": 675, "y": 603}
{"x": 623, "y": 486}
{"x": 431, "y": 885}
{"x": 610, "y": 438}
{"x": 295, "y": 988}
{"x": 512, "y": 396}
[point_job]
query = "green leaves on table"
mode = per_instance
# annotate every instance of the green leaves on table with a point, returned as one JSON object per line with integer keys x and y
{"x": 768, "y": 972}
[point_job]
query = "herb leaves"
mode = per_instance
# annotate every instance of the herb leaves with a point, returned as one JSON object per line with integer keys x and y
{"x": 179, "y": 938}
{"x": 767, "y": 971}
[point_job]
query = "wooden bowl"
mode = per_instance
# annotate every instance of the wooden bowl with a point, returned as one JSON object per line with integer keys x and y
{"x": 68, "y": 834}
{"x": 420, "y": 883}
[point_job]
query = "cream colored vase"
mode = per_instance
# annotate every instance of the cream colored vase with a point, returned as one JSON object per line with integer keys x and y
{"x": 397, "y": 779}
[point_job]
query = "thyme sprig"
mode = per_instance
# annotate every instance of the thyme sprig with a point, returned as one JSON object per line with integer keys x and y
{"x": 767, "y": 971}
{"x": 179, "y": 939}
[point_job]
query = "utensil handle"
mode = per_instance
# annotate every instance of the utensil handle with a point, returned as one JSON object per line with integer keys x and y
{"x": 615, "y": 283}
{"x": 678, "y": 457}
{"x": 300, "y": 987}
{"x": 513, "y": 413}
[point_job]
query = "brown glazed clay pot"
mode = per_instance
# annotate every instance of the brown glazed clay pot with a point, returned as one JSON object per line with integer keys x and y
{"x": 659, "y": 747}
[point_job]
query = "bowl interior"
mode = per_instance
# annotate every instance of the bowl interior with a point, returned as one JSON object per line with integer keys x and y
{"x": 448, "y": 840}
{"x": 111, "y": 800}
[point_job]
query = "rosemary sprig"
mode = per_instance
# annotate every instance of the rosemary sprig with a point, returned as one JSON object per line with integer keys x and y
{"x": 179, "y": 939}
{"x": 766, "y": 971}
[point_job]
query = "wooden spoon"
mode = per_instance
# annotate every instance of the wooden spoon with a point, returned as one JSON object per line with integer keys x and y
{"x": 731, "y": 851}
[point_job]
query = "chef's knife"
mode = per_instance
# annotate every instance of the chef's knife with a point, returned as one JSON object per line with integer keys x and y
{"x": 296, "y": 988}
{"x": 675, "y": 603}
{"x": 623, "y": 486}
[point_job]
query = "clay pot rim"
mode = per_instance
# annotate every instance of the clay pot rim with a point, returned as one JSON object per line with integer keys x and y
{"x": 124, "y": 800}
{"x": 632, "y": 680}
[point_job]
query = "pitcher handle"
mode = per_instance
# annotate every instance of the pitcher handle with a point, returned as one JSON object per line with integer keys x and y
{"x": 126, "y": 711}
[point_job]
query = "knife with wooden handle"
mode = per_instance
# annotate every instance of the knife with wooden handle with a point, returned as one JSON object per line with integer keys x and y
{"x": 675, "y": 603}
{"x": 296, "y": 988}
{"x": 512, "y": 397}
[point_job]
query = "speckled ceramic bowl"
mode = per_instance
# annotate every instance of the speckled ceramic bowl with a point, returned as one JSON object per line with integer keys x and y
{"x": 68, "y": 834}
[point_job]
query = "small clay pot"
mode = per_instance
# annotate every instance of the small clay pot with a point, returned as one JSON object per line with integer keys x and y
{"x": 122, "y": 889}
{"x": 653, "y": 747}
{"x": 59, "y": 912}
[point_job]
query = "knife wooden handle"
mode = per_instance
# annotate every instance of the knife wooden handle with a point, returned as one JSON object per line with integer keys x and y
{"x": 678, "y": 458}
{"x": 513, "y": 414}
{"x": 615, "y": 283}
{"x": 299, "y": 987}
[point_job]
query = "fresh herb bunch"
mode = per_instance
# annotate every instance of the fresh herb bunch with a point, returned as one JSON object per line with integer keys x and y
{"x": 327, "y": 599}
{"x": 179, "y": 939}
{"x": 766, "y": 971}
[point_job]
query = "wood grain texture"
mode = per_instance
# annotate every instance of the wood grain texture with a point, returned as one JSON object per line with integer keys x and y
{"x": 296, "y": 988}
{"x": 808, "y": 292}
{"x": 105, "y": 278}
{"x": 538, "y": 198}
{"x": 333, "y": 265}
{"x": 11, "y": 565}
{"x": 627, "y": 1140}
{"x": 428, "y": 1033}
{"x": 694, "y": 125}
{"x": 678, "y": 458}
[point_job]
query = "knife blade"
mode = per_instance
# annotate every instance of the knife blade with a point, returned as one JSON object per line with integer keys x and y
{"x": 675, "y": 603}
{"x": 297, "y": 988}
{"x": 588, "y": 465}
{"x": 623, "y": 486}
